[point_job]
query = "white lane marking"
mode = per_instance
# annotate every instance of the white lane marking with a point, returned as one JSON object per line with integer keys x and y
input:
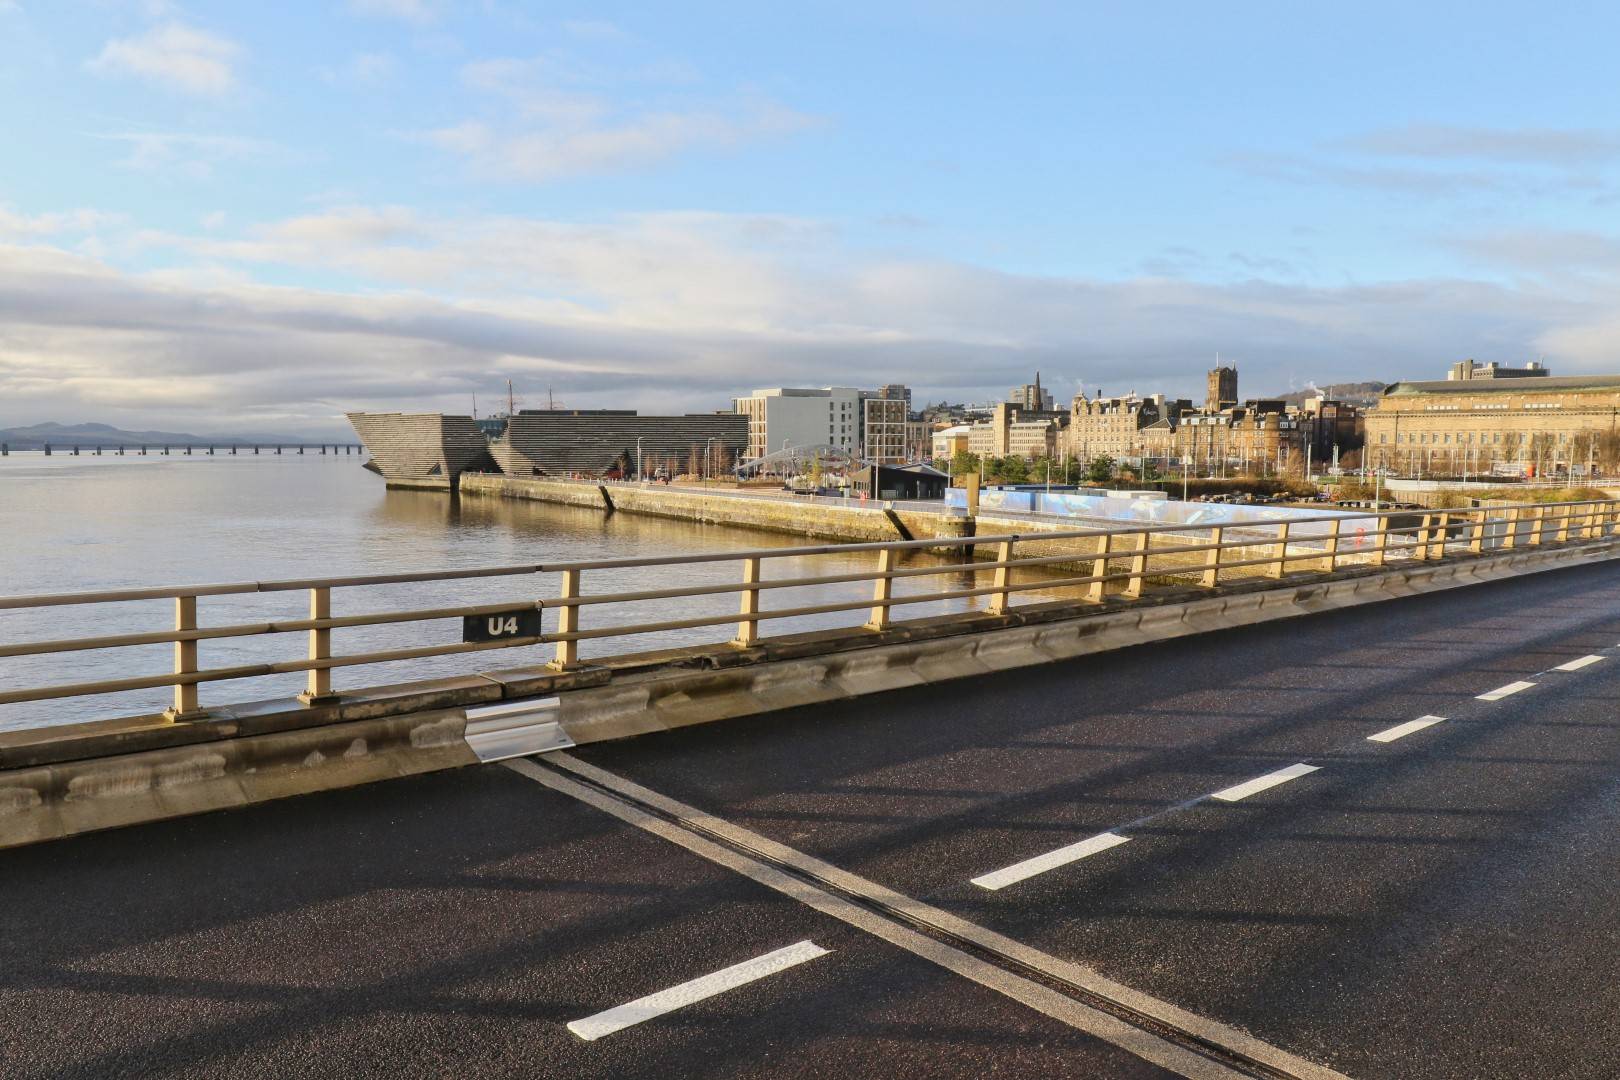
{"x": 688, "y": 993}
{"x": 1503, "y": 691}
{"x": 1576, "y": 665}
{"x": 1261, "y": 783}
{"x": 1040, "y": 864}
{"x": 1038, "y": 996}
{"x": 1400, "y": 731}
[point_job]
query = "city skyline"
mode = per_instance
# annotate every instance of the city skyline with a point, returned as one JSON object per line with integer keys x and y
{"x": 271, "y": 218}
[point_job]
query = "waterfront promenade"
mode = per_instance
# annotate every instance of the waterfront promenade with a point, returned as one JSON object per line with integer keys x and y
{"x": 1436, "y": 899}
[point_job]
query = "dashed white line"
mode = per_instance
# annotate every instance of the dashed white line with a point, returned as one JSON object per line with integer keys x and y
{"x": 1576, "y": 665}
{"x": 1261, "y": 783}
{"x": 1400, "y": 731}
{"x": 1040, "y": 864}
{"x": 688, "y": 993}
{"x": 1503, "y": 691}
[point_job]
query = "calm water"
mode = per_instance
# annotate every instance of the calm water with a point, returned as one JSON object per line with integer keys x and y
{"x": 74, "y": 524}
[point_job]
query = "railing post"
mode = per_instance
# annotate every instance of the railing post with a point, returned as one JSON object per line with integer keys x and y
{"x": 882, "y": 590}
{"x": 1332, "y": 546}
{"x": 999, "y": 598}
{"x": 1445, "y": 527}
{"x": 185, "y": 662}
{"x": 567, "y": 622}
{"x": 1589, "y": 519}
{"x": 1139, "y": 564}
{"x": 1425, "y": 531}
{"x": 1212, "y": 559}
{"x": 1563, "y": 523}
{"x": 1280, "y": 549}
{"x": 1381, "y": 542}
{"x": 1099, "y": 567}
{"x": 1477, "y": 543}
{"x": 1510, "y": 538}
{"x": 748, "y": 625}
{"x": 318, "y": 689}
{"x": 1538, "y": 523}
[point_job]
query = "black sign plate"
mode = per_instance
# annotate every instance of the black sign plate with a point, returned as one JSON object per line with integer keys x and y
{"x": 502, "y": 625}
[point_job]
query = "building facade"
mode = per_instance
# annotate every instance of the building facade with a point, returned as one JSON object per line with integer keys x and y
{"x": 785, "y": 417}
{"x": 1485, "y": 418}
{"x": 1113, "y": 426}
{"x": 885, "y": 414}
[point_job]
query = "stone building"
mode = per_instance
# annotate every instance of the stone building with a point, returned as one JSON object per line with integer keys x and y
{"x": 1015, "y": 432}
{"x": 1222, "y": 390}
{"x": 1263, "y": 436}
{"x": 1114, "y": 426}
{"x": 1486, "y": 418}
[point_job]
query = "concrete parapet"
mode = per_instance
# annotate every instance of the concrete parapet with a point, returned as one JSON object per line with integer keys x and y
{"x": 85, "y": 777}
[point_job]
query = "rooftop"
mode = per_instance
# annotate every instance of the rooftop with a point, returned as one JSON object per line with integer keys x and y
{"x": 1570, "y": 383}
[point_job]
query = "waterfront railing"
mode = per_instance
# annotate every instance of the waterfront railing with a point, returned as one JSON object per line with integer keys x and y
{"x": 1088, "y": 565}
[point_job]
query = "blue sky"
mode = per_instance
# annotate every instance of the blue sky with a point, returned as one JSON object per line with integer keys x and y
{"x": 276, "y": 212}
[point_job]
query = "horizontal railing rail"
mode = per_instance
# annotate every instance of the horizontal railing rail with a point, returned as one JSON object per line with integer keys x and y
{"x": 1120, "y": 561}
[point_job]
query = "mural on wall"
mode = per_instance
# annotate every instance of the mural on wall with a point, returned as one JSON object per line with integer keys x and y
{"x": 1158, "y": 511}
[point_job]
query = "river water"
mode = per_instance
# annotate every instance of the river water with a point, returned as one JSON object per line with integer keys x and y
{"x": 71, "y": 524}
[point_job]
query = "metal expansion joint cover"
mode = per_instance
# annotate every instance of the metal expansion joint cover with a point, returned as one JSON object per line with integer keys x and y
{"x": 515, "y": 729}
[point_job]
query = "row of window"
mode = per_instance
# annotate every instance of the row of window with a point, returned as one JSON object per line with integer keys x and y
{"x": 1464, "y": 438}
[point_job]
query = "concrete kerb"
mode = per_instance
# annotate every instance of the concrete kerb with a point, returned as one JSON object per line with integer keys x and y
{"x": 258, "y": 752}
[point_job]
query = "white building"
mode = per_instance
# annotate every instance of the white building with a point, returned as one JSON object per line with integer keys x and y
{"x": 949, "y": 440}
{"x": 786, "y": 417}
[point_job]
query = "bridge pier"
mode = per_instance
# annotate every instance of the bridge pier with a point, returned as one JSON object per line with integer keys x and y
{"x": 75, "y": 451}
{"x": 278, "y": 451}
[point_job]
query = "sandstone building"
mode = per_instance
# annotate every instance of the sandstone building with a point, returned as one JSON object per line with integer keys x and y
{"x": 1485, "y": 418}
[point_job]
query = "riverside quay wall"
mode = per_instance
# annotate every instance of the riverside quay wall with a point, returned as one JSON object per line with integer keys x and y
{"x": 820, "y": 520}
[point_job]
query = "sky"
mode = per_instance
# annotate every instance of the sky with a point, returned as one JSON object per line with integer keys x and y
{"x": 219, "y": 216}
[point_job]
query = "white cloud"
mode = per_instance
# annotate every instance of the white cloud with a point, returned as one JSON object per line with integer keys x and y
{"x": 557, "y": 116}
{"x": 184, "y": 154}
{"x": 420, "y": 12}
{"x": 16, "y": 226}
{"x": 593, "y": 29}
{"x": 175, "y": 55}
{"x": 576, "y": 146}
{"x": 682, "y": 310}
{"x": 1535, "y": 146}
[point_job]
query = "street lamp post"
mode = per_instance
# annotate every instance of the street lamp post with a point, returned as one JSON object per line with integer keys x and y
{"x": 639, "y": 476}
{"x": 708, "y": 458}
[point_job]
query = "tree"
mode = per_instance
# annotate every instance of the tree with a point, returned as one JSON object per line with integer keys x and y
{"x": 965, "y": 461}
{"x": 1101, "y": 469}
{"x": 1013, "y": 469}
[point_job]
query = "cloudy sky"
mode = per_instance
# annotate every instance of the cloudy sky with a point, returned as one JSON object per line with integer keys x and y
{"x": 227, "y": 215}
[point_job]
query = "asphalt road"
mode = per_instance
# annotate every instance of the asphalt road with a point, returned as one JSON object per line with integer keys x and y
{"x": 1443, "y": 903}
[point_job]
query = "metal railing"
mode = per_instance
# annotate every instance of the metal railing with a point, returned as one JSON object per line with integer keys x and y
{"x": 1122, "y": 562}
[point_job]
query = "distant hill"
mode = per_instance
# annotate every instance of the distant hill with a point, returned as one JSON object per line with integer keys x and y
{"x": 1354, "y": 393}
{"x": 37, "y": 435}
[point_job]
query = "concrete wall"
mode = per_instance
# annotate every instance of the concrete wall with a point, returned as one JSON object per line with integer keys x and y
{"x": 810, "y": 519}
